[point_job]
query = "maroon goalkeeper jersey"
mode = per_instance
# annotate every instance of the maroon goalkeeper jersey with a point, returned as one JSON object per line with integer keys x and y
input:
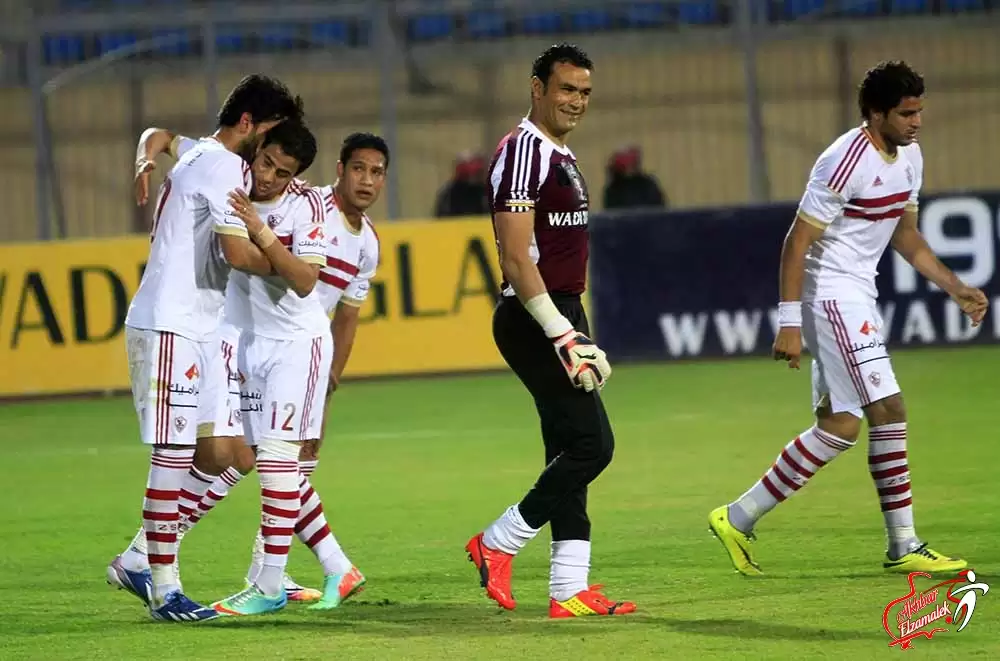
{"x": 531, "y": 173}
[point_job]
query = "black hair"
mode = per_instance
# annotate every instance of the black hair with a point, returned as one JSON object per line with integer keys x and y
{"x": 265, "y": 98}
{"x": 565, "y": 53}
{"x": 886, "y": 85}
{"x": 356, "y": 141}
{"x": 296, "y": 140}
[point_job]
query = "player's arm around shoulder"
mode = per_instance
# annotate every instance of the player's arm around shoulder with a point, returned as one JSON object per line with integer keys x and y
{"x": 298, "y": 266}
{"x": 228, "y": 176}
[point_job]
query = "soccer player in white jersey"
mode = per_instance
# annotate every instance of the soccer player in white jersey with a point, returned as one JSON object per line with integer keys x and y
{"x": 861, "y": 197}
{"x": 285, "y": 337}
{"x": 286, "y": 151}
{"x": 174, "y": 364}
{"x": 352, "y": 259}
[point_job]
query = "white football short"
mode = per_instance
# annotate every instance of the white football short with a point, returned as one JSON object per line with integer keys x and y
{"x": 171, "y": 384}
{"x": 851, "y": 366}
{"x": 226, "y": 418}
{"x": 284, "y": 386}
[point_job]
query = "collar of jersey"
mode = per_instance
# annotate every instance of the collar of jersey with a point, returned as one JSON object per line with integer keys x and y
{"x": 529, "y": 125}
{"x": 885, "y": 157}
{"x": 343, "y": 216}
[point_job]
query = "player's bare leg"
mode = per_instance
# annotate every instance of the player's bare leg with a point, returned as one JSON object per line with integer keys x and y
{"x": 797, "y": 463}
{"x": 890, "y": 470}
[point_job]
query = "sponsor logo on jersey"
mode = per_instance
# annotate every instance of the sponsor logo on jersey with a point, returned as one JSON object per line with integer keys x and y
{"x": 568, "y": 218}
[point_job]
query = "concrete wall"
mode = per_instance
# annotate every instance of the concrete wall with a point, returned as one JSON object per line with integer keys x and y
{"x": 684, "y": 106}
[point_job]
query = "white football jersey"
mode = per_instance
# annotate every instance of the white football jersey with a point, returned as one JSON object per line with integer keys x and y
{"x": 266, "y": 305}
{"x": 182, "y": 288}
{"x": 351, "y": 258}
{"x": 857, "y": 194}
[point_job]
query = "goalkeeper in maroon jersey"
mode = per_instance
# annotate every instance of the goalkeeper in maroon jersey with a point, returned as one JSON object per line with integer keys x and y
{"x": 540, "y": 209}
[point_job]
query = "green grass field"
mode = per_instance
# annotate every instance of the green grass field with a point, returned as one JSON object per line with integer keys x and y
{"x": 412, "y": 469}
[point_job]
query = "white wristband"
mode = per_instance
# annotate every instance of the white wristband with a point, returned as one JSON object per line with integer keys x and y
{"x": 790, "y": 314}
{"x": 548, "y": 316}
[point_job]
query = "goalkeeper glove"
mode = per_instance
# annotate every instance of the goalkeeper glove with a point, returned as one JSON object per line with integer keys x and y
{"x": 585, "y": 364}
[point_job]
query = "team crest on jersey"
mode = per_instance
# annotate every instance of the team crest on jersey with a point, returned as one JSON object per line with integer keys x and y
{"x": 569, "y": 174}
{"x": 180, "y": 424}
{"x": 875, "y": 378}
{"x": 273, "y": 220}
{"x": 909, "y": 174}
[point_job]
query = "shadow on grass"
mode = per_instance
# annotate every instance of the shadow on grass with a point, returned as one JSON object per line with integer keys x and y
{"x": 753, "y": 629}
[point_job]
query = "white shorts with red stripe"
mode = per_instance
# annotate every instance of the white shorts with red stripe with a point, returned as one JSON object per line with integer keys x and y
{"x": 284, "y": 386}
{"x": 225, "y": 418}
{"x": 851, "y": 367}
{"x": 171, "y": 384}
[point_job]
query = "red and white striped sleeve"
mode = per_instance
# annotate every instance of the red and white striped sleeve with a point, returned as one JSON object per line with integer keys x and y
{"x": 835, "y": 178}
{"x": 309, "y": 228}
{"x": 517, "y": 173}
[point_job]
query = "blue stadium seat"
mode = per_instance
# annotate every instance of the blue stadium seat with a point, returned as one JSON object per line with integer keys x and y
{"x": 428, "y": 28}
{"x": 277, "y": 36}
{"x": 486, "y": 24}
{"x": 230, "y": 38}
{"x": 111, "y": 41}
{"x": 331, "y": 33}
{"x": 542, "y": 23}
{"x": 699, "y": 12}
{"x": 180, "y": 44}
{"x": 799, "y": 8}
{"x": 861, "y": 7}
{"x": 646, "y": 14}
{"x": 61, "y": 49}
{"x": 908, "y": 6}
{"x": 591, "y": 20}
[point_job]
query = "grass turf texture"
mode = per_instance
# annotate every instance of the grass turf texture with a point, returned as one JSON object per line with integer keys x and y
{"x": 411, "y": 469}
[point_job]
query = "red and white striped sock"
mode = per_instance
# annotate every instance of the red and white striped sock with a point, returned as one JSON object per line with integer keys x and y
{"x": 891, "y": 473}
{"x": 196, "y": 483}
{"x": 278, "y": 467}
{"x": 313, "y": 531}
{"x": 219, "y": 490}
{"x": 794, "y": 467}
{"x": 307, "y": 468}
{"x": 167, "y": 472}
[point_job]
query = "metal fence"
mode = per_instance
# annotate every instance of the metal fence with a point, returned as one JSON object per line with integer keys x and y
{"x": 730, "y": 102}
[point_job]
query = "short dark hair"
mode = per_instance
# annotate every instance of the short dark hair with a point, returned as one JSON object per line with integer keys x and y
{"x": 296, "y": 140}
{"x": 565, "y": 53}
{"x": 886, "y": 85}
{"x": 356, "y": 141}
{"x": 265, "y": 98}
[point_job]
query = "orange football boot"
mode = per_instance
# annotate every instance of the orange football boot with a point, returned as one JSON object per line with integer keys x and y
{"x": 589, "y": 602}
{"x": 494, "y": 571}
